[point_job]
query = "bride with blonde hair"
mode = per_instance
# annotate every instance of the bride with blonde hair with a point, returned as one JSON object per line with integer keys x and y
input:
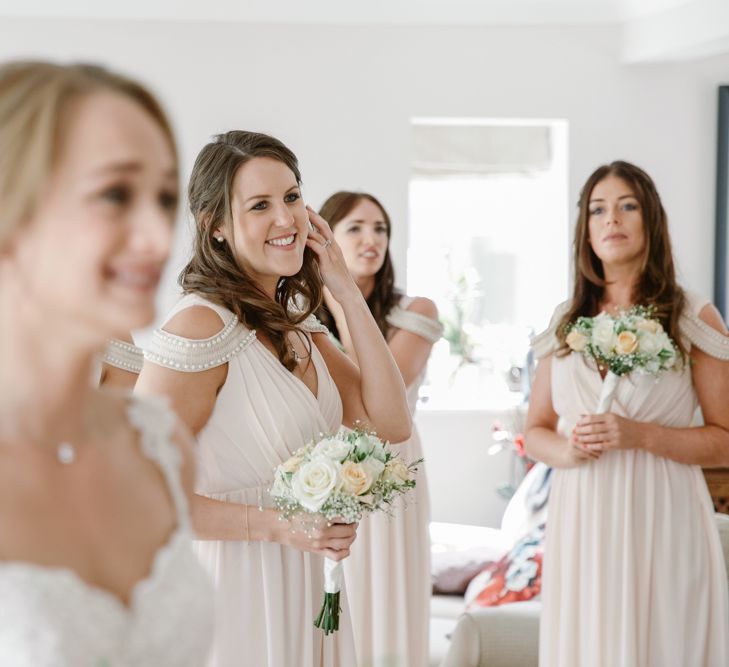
{"x": 96, "y": 564}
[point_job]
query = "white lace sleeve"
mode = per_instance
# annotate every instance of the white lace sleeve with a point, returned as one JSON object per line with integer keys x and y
{"x": 546, "y": 343}
{"x": 699, "y": 333}
{"x": 422, "y": 325}
{"x": 192, "y": 356}
{"x": 123, "y": 355}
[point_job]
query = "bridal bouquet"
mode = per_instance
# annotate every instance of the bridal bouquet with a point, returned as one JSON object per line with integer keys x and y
{"x": 633, "y": 341}
{"x": 340, "y": 477}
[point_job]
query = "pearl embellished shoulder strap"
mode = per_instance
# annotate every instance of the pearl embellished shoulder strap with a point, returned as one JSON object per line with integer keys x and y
{"x": 193, "y": 356}
{"x": 421, "y": 325}
{"x": 699, "y": 333}
{"x": 123, "y": 355}
{"x": 546, "y": 342}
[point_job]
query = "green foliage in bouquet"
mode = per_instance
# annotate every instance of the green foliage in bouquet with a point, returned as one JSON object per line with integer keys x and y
{"x": 634, "y": 340}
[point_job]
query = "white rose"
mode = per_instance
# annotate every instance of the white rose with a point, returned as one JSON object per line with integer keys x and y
{"x": 653, "y": 366}
{"x": 315, "y": 481}
{"x": 333, "y": 448}
{"x": 666, "y": 344}
{"x": 603, "y": 335}
{"x": 650, "y": 326}
{"x": 370, "y": 445}
{"x": 374, "y": 467}
{"x": 280, "y": 487}
{"x": 378, "y": 450}
{"x": 665, "y": 340}
{"x": 649, "y": 343}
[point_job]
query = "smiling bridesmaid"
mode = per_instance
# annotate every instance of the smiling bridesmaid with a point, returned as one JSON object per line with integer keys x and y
{"x": 256, "y": 377}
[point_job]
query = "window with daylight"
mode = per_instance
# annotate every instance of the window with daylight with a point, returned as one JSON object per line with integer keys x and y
{"x": 489, "y": 243}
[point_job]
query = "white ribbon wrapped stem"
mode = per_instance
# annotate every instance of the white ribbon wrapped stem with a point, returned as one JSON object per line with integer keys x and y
{"x": 609, "y": 386}
{"x": 333, "y": 576}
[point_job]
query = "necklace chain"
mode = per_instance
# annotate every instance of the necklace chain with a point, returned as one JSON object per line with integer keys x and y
{"x": 297, "y": 357}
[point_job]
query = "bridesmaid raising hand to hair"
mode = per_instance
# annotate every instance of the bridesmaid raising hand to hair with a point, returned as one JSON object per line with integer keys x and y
{"x": 254, "y": 374}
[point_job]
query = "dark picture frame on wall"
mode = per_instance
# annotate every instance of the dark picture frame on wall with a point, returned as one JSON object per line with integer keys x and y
{"x": 721, "y": 250}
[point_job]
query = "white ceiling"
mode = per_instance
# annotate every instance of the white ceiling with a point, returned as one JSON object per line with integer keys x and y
{"x": 366, "y": 12}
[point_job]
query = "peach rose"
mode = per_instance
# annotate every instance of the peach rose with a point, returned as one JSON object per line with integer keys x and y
{"x": 356, "y": 479}
{"x": 627, "y": 343}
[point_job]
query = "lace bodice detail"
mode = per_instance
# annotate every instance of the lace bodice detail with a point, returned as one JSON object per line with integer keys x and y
{"x": 50, "y": 617}
{"x": 693, "y": 329}
{"x": 126, "y": 356}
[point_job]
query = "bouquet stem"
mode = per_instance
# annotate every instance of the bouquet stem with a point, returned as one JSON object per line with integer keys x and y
{"x": 328, "y": 618}
{"x": 609, "y": 385}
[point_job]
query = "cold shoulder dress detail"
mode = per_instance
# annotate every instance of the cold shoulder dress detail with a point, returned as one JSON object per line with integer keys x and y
{"x": 634, "y": 574}
{"x": 267, "y": 594}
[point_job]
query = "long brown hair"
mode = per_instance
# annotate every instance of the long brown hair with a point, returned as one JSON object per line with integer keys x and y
{"x": 214, "y": 271}
{"x": 384, "y": 297}
{"x": 657, "y": 286}
{"x": 35, "y": 100}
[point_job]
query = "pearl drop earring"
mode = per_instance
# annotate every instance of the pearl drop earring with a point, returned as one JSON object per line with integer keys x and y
{"x": 219, "y": 239}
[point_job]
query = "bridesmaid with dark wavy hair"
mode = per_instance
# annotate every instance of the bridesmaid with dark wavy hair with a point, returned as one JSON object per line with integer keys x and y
{"x": 388, "y": 573}
{"x": 633, "y": 567}
{"x": 255, "y": 375}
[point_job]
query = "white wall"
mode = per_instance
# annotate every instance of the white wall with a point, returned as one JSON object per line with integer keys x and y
{"x": 462, "y": 477}
{"x": 677, "y": 30}
{"x": 342, "y": 98}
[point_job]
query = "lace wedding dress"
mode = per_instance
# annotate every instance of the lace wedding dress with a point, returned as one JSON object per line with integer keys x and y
{"x": 50, "y": 617}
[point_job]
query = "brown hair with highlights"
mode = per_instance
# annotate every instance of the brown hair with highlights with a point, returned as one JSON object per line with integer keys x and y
{"x": 214, "y": 271}
{"x": 657, "y": 286}
{"x": 384, "y": 297}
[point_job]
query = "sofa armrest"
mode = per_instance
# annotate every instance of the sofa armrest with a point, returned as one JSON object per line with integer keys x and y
{"x": 505, "y": 636}
{"x": 508, "y": 636}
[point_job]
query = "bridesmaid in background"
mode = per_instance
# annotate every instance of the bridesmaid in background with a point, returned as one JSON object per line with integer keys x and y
{"x": 256, "y": 377}
{"x": 633, "y": 568}
{"x": 388, "y": 571}
{"x": 95, "y": 543}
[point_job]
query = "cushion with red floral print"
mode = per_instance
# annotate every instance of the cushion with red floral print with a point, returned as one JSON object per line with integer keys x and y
{"x": 515, "y": 577}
